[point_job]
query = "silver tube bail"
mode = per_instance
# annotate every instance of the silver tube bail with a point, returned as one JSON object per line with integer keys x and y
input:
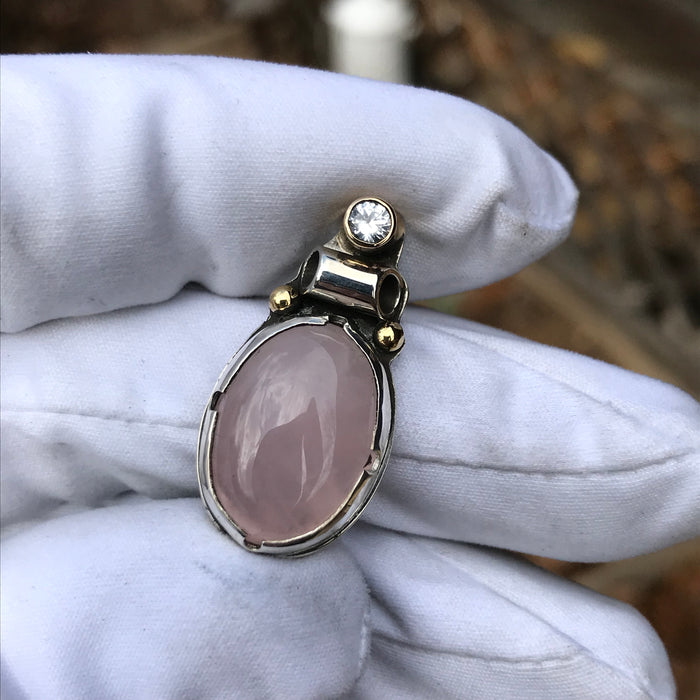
{"x": 357, "y": 267}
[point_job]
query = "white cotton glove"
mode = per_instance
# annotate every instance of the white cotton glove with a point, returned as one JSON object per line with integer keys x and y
{"x": 123, "y": 179}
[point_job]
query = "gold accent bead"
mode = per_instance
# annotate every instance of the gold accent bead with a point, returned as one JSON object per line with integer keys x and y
{"x": 281, "y": 298}
{"x": 390, "y": 336}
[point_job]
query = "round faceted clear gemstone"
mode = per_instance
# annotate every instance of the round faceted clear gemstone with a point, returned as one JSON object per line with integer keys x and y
{"x": 370, "y": 222}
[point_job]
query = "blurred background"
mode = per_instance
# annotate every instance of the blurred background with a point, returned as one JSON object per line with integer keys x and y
{"x": 612, "y": 89}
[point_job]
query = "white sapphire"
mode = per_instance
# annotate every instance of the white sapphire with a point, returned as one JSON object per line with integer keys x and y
{"x": 370, "y": 222}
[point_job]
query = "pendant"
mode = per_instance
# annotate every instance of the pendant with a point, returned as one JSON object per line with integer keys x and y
{"x": 297, "y": 433}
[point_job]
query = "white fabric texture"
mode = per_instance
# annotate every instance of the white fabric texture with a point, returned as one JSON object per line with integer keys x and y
{"x": 147, "y": 174}
{"x": 125, "y": 178}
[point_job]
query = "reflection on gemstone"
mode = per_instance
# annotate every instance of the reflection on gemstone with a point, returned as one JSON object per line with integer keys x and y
{"x": 370, "y": 222}
{"x": 293, "y": 432}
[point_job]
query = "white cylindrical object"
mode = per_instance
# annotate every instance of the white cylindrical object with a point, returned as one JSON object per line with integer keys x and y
{"x": 370, "y": 38}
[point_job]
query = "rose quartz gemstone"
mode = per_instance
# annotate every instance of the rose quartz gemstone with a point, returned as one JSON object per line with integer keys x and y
{"x": 293, "y": 433}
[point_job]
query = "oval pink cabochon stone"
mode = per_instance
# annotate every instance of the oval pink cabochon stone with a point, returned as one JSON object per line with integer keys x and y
{"x": 293, "y": 433}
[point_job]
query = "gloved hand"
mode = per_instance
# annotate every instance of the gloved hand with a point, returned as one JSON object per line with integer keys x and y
{"x": 125, "y": 178}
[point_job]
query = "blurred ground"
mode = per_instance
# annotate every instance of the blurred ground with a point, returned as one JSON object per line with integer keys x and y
{"x": 613, "y": 91}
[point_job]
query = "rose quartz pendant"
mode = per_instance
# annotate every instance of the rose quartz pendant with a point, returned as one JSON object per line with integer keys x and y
{"x": 297, "y": 433}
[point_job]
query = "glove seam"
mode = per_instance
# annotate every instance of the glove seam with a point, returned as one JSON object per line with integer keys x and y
{"x": 582, "y": 649}
{"x": 609, "y": 402}
{"x": 367, "y": 632}
{"x": 553, "y": 661}
{"x": 593, "y": 472}
{"x": 90, "y": 416}
{"x": 515, "y": 661}
{"x": 651, "y": 463}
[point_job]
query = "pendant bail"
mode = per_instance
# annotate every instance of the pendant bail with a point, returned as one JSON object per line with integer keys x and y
{"x": 357, "y": 267}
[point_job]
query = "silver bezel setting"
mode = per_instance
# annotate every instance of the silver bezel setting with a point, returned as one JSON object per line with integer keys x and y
{"x": 381, "y": 443}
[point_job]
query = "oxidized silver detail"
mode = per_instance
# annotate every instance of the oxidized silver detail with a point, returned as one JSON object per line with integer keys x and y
{"x": 381, "y": 444}
{"x": 354, "y": 285}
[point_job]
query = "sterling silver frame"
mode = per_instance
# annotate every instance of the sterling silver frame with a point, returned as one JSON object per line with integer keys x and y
{"x": 373, "y": 470}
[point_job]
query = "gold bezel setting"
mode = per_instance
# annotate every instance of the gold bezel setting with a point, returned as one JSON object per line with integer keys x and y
{"x": 353, "y": 235}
